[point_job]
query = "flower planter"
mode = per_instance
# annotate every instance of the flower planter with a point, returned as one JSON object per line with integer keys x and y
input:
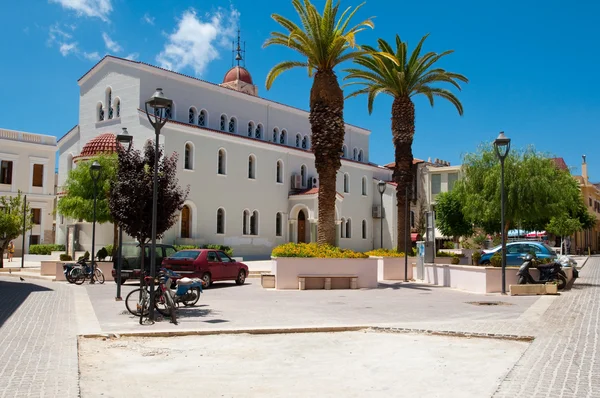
{"x": 288, "y": 269}
{"x": 267, "y": 281}
{"x": 448, "y": 260}
{"x": 551, "y": 288}
{"x": 49, "y": 267}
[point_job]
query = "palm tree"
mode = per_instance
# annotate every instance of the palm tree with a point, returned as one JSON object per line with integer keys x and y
{"x": 324, "y": 41}
{"x": 394, "y": 73}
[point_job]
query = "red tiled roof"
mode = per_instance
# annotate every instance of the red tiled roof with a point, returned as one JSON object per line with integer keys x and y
{"x": 311, "y": 191}
{"x": 393, "y": 164}
{"x": 388, "y": 182}
{"x": 560, "y": 163}
{"x": 195, "y": 78}
{"x": 238, "y": 73}
{"x": 104, "y": 143}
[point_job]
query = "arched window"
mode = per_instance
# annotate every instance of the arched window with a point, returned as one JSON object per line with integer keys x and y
{"x": 346, "y": 183}
{"x": 185, "y": 222}
{"x": 188, "y": 162}
{"x": 251, "y": 167}
{"x": 364, "y": 186}
{"x": 303, "y": 174}
{"x": 412, "y": 219}
{"x": 305, "y": 144}
{"x": 278, "y": 225}
{"x": 258, "y": 132}
{"x": 232, "y": 125}
{"x": 192, "y": 116}
{"x": 222, "y": 162}
{"x": 246, "y": 223}
{"x": 254, "y": 223}
{"x": 203, "y": 118}
{"x": 221, "y": 221}
{"x": 250, "y": 129}
{"x": 275, "y": 135}
{"x": 348, "y": 228}
{"x": 283, "y": 137}
{"x": 100, "y": 111}
{"x": 298, "y": 140}
{"x": 117, "y": 107}
{"x": 344, "y": 151}
{"x": 354, "y": 153}
{"x": 343, "y": 228}
{"x": 364, "y": 229}
{"x": 223, "y": 123}
{"x": 279, "y": 171}
{"x": 109, "y": 102}
{"x": 360, "y": 155}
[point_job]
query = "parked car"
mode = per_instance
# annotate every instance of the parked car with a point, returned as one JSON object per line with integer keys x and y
{"x": 132, "y": 260}
{"x": 210, "y": 265}
{"x": 515, "y": 251}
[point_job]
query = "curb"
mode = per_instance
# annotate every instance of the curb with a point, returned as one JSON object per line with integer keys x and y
{"x": 27, "y": 276}
{"x": 450, "y": 333}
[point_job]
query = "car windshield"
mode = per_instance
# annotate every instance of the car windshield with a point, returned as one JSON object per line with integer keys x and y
{"x": 187, "y": 254}
{"x": 548, "y": 248}
{"x": 131, "y": 251}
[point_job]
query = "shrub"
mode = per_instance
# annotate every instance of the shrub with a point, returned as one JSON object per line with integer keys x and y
{"x": 476, "y": 257}
{"x": 86, "y": 256}
{"x": 455, "y": 259}
{"x": 226, "y": 249}
{"x": 109, "y": 249}
{"x": 314, "y": 250}
{"x": 185, "y": 247}
{"x": 496, "y": 259}
{"x": 65, "y": 257}
{"x": 448, "y": 245}
{"x": 384, "y": 253}
{"x": 45, "y": 249}
{"x": 441, "y": 253}
{"x": 102, "y": 254}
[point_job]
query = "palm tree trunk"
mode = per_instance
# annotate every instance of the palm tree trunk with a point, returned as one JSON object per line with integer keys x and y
{"x": 403, "y": 131}
{"x": 327, "y": 126}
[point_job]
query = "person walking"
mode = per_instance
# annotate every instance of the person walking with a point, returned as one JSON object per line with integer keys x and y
{"x": 11, "y": 250}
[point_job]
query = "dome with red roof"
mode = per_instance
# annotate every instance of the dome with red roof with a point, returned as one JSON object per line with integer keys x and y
{"x": 104, "y": 143}
{"x": 238, "y": 73}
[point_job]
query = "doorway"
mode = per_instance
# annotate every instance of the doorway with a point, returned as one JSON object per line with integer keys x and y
{"x": 301, "y": 227}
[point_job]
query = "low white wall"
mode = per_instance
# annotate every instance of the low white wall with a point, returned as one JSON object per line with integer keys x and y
{"x": 392, "y": 268}
{"x": 287, "y": 269}
{"x": 462, "y": 277}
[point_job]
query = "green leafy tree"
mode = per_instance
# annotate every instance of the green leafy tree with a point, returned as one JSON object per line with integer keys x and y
{"x": 402, "y": 76}
{"x": 563, "y": 225}
{"x": 11, "y": 221}
{"x": 78, "y": 201}
{"x": 323, "y": 40}
{"x": 535, "y": 189}
{"x": 450, "y": 219}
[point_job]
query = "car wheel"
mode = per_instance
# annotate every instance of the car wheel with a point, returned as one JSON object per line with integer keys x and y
{"x": 485, "y": 262}
{"x": 241, "y": 278}
{"x": 206, "y": 278}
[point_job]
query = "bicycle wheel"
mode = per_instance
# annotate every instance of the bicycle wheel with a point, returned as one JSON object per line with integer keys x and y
{"x": 133, "y": 302}
{"x": 161, "y": 303}
{"x": 99, "y": 276}
{"x": 81, "y": 277}
{"x": 73, "y": 274}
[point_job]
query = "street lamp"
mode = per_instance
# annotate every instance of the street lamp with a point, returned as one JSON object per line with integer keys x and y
{"x": 95, "y": 172}
{"x": 502, "y": 146}
{"x": 406, "y": 227}
{"x": 381, "y": 186}
{"x": 124, "y": 139}
{"x": 160, "y": 104}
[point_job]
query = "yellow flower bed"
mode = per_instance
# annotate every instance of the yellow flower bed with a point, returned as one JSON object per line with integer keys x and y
{"x": 385, "y": 253}
{"x": 314, "y": 250}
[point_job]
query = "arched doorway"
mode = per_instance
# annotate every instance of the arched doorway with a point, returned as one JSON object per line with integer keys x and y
{"x": 301, "y": 227}
{"x": 185, "y": 222}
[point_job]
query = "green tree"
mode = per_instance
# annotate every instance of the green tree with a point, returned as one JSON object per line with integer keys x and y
{"x": 11, "y": 221}
{"x": 535, "y": 189}
{"x": 403, "y": 76}
{"x": 563, "y": 225}
{"x": 323, "y": 41}
{"x": 78, "y": 201}
{"x": 450, "y": 219}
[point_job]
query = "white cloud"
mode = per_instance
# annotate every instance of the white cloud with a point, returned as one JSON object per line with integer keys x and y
{"x": 194, "y": 42}
{"x": 67, "y": 48}
{"x": 148, "y": 19}
{"x": 92, "y": 56}
{"x": 90, "y": 8}
{"x": 110, "y": 44}
{"x": 56, "y": 34}
{"x": 133, "y": 56}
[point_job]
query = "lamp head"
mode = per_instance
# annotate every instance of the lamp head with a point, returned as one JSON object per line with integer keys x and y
{"x": 381, "y": 186}
{"x": 502, "y": 145}
{"x": 95, "y": 170}
{"x": 158, "y": 100}
{"x": 125, "y": 138}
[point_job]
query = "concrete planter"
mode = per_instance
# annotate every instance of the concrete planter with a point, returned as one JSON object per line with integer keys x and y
{"x": 448, "y": 260}
{"x": 551, "y": 288}
{"x": 393, "y": 267}
{"x": 49, "y": 267}
{"x": 267, "y": 281}
{"x": 288, "y": 269}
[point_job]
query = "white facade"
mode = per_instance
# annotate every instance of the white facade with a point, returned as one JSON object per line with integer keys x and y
{"x": 439, "y": 179}
{"x": 235, "y": 191}
{"x": 27, "y": 165}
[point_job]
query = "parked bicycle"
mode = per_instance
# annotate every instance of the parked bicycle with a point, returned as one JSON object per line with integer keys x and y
{"x": 82, "y": 271}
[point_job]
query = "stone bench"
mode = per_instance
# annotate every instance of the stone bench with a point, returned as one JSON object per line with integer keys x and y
{"x": 324, "y": 281}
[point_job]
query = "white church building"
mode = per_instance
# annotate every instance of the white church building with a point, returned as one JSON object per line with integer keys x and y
{"x": 247, "y": 161}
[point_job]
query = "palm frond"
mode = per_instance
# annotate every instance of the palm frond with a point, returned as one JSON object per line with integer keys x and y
{"x": 280, "y": 68}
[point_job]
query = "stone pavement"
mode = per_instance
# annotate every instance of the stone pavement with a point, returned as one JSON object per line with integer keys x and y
{"x": 38, "y": 345}
{"x": 563, "y": 361}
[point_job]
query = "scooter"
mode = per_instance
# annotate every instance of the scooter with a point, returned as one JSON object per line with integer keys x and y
{"x": 188, "y": 290}
{"x": 548, "y": 272}
{"x": 567, "y": 261}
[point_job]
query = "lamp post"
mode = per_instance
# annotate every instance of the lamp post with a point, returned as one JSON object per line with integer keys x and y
{"x": 124, "y": 139}
{"x": 24, "y": 231}
{"x": 502, "y": 146}
{"x": 95, "y": 172}
{"x": 406, "y": 226}
{"x": 381, "y": 186}
{"x": 159, "y": 104}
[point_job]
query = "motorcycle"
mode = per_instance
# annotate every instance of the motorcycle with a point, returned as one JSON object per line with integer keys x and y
{"x": 548, "y": 272}
{"x": 567, "y": 261}
{"x": 188, "y": 290}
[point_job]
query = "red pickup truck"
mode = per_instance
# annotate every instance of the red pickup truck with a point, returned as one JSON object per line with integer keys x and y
{"x": 208, "y": 264}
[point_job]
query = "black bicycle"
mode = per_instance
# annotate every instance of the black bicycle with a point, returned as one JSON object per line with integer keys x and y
{"x": 83, "y": 271}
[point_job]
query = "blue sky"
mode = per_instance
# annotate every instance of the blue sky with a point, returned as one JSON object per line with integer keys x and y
{"x": 530, "y": 64}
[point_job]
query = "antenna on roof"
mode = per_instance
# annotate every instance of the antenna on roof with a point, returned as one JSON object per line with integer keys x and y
{"x": 238, "y": 52}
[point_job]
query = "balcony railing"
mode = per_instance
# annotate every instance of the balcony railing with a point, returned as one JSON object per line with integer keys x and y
{"x": 27, "y": 137}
